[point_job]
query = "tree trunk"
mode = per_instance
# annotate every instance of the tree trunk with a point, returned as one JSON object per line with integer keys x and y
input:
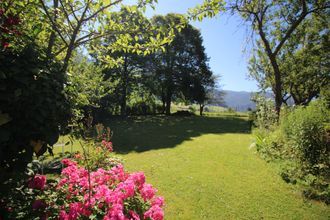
{"x": 124, "y": 89}
{"x": 164, "y": 104}
{"x": 69, "y": 52}
{"x": 168, "y": 102}
{"x": 201, "y": 109}
{"x": 277, "y": 89}
{"x": 123, "y": 102}
{"x": 278, "y": 86}
{"x": 52, "y": 37}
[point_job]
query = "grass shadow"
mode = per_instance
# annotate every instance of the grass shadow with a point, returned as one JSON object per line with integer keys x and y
{"x": 146, "y": 133}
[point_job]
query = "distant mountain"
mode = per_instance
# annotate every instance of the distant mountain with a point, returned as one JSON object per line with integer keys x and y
{"x": 237, "y": 100}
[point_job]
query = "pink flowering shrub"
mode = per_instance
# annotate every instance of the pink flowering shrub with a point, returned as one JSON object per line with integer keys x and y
{"x": 102, "y": 194}
{"x": 37, "y": 182}
{"x": 92, "y": 185}
{"x": 107, "y": 145}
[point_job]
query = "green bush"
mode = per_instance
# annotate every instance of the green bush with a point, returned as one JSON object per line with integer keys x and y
{"x": 265, "y": 116}
{"x": 300, "y": 142}
{"x": 304, "y": 128}
{"x": 32, "y": 94}
{"x": 269, "y": 144}
{"x": 308, "y": 144}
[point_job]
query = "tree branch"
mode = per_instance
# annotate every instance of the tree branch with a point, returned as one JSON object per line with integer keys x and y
{"x": 53, "y": 23}
{"x": 293, "y": 27}
{"x": 66, "y": 14}
{"x": 102, "y": 9}
{"x": 73, "y": 11}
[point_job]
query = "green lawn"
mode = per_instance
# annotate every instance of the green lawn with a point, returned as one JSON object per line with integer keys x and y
{"x": 205, "y": 170}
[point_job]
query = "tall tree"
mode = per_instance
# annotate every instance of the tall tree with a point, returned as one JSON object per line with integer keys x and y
{"x": 178, "y": 68}
{"x": 303, "y": 61}
{"x": 265, "y": 17}
{"x": 130, "y": 65}
{"x": 202, "y": 90}
{"x": 199, "y": 82}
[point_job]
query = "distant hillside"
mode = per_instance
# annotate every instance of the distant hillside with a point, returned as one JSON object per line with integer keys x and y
{"x": 238, "y": 100}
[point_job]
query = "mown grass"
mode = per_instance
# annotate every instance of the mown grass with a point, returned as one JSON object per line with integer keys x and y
{"x": 205, "y": 170}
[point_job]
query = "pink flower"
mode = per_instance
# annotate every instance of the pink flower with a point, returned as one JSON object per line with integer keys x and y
{"x": 138, "y": 178}
{"x": 68, "y": 162}
{"x": 62, "y": 183}
{"x": 63, "y": 215}
{"x": 116, "y": 213}
{"x": 37, "y": 182}
{"x": 154, "y": 213}
{"x": 76, "y": 209}
{"x": 38, "y": 204}
{"x": 158, "y": 201}
{"x": 147, "y": 192}
{"x": 102, "y": 192}
{"x": 107, "y": 144}
{"x": 118, "y": 172}
{"x": 127, "y": 188}
{"x": 134, "y": 215}
{"x": 5, "y": 45}
{"x": 110, "y": 190}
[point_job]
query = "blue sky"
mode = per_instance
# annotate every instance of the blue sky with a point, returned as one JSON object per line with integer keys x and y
{"x": 224, "y": 40}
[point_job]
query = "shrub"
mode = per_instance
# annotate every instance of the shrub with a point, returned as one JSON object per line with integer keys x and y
{"x": 265, "y": 114}
{"x": 307, "y": 143}
{"x": 183, "y": 113}
{"x": 192, "y": 109}
{"x": 107, "y": 194}
{"x": 207, "y": 109}
{"x": 231, "y": 110}
{"x": 269, "y": 144}
{"x": 144, "y": 108}
{"x": 81, "y": 194}
{"x": 304, "y": 129}
{"x": 301, "y": 142}
{"x": 32, "y": 95}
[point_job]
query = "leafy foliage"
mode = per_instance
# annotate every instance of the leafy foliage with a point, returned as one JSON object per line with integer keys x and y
{"x": 305, "y": 128}
{"x": 32, "y": 94}
{"x": 265, "y": 115}
{"x": 303, "y": 62}
{"x": 301, "y": 143}
{"x": 182, "y": 71}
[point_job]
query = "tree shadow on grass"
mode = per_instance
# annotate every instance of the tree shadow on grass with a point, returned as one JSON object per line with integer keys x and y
{"x": 146, "y": 133}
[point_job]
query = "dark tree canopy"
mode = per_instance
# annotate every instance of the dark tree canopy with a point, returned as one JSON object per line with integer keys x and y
{"x": 182, "y": 70}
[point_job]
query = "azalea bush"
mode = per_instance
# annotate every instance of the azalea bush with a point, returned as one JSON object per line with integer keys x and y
{"x": 101, "y": 194}
{"x": 9, "y": 26}
{"x": 80, "y": 194}
{"x": 92, "y": 185}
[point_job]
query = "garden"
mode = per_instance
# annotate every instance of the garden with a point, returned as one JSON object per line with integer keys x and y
{"x": 109, "y": 113}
